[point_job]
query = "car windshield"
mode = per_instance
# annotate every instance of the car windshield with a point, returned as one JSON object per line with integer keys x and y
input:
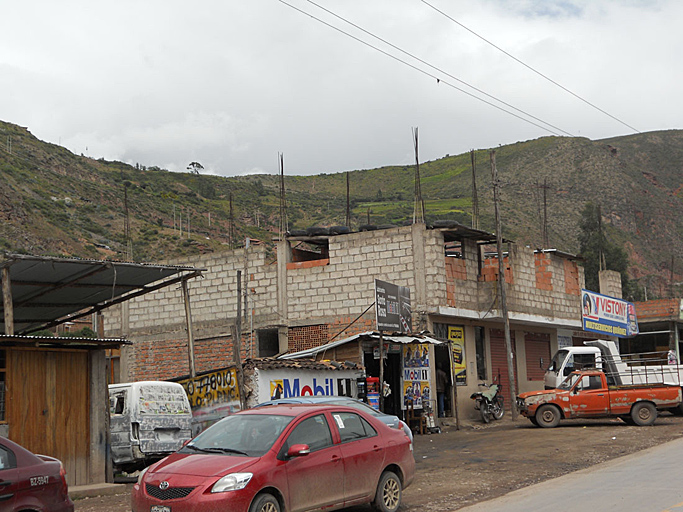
{"x": 558, "y": 360}
{"x": 249, "y": 435}
{"x": 569, "y": 381}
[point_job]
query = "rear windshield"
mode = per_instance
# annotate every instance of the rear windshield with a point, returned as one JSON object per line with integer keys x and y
{"x": 159, "y": 399}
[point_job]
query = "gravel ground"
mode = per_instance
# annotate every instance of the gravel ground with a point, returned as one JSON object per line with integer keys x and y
{"x": 480, "y": 462}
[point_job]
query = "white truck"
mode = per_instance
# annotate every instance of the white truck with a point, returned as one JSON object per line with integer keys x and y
{"x": 629, "y": 369}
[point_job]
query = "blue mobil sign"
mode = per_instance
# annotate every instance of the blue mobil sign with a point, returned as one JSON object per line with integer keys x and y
{"x": 608, "y": 315}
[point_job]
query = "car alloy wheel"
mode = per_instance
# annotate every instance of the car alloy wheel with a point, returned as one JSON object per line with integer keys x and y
{"x": 388, "y": 497}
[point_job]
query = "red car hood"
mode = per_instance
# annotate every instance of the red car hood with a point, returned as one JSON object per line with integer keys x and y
{"x": 205, "y": 465}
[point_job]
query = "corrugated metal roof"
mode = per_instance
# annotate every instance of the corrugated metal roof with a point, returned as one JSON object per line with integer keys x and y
{"x": 269, "y": 363}
{"x": 369, "y": 335}
{"x": 62, "y": 341}
{"x": 47, "y": 291}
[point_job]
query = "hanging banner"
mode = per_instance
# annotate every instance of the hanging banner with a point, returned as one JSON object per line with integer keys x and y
{"x": 608, "y": 315}
{"x": 459, "y": 365}
{"x": 392, "y": 307}
{"x": 416, "y": 375}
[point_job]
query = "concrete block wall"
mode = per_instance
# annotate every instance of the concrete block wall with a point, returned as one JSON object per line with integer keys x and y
{"x": 610, "y": 283}
{"x": 345, "y": 287}
{"x": 213, "y": 298}
{"x": 540, "y": 286}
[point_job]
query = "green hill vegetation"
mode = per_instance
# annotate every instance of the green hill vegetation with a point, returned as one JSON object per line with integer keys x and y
{"x": 54, "y": 202}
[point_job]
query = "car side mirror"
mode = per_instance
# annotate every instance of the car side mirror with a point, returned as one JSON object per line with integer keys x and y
{"x": 298, "y": 450}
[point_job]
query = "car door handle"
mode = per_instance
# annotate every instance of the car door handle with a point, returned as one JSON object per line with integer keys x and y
{"x": 601, "y": 394}
{"x": 376, "y": 448}
{"x": 5, "y": 483}
{"x": 336, "y": 458}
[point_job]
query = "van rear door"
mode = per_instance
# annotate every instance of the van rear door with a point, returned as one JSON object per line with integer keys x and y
{"x": 164, "y": 418}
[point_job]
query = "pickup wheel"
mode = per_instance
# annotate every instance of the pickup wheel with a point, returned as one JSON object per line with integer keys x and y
{"x": 548, "y": 416}
{"x": 643, "y": 413}
{"x": 533, "y": 421}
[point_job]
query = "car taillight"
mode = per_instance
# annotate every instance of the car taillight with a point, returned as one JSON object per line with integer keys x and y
{"x": 62, "y": 476}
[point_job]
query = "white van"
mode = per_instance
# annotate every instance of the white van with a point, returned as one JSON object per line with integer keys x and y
{"x": 147, "y": 421}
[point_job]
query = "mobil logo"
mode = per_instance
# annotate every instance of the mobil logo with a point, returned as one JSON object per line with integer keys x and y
{"x": 294, "y": 388}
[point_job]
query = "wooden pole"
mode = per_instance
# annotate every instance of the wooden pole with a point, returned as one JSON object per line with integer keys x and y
{"x": 475, "y": 199}
{"x": 7, "y": 302}
{"x": 237, "y": 342}
{"x": 501, "y": 288}
{"x": 190, "y": 334}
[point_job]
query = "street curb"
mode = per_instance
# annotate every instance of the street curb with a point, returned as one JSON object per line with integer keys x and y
{"x": 79, "y": 492}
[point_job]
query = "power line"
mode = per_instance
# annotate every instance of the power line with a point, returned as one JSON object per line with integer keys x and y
{"x": 437, "y": 68}
{"x": 530, "y": 68}
{"x": 437, "y": 78}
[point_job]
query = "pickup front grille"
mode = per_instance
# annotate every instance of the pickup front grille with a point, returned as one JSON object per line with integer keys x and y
{"x": 172, "y": 493}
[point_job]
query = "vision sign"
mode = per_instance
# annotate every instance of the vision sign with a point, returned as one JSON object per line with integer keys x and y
{"x": 392, "y": 307}
{"x": 608, "y": 315}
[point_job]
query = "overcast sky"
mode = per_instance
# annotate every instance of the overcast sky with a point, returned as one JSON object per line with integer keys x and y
{"x": 231, "y": 83}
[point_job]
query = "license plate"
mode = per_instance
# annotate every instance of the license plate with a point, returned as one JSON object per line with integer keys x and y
{"x": 160, "y": 508}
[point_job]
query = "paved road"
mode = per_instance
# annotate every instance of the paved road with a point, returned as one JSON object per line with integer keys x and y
{"x": 648, "y": 481}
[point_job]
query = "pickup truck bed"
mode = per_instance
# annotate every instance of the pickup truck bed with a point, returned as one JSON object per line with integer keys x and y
{"x": 585, "y": 394}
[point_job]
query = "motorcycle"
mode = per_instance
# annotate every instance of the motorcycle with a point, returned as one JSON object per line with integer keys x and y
{"x": 489, "y": 403}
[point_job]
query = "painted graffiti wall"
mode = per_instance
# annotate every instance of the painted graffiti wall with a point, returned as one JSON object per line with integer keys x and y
{"x": 212, "y": 397}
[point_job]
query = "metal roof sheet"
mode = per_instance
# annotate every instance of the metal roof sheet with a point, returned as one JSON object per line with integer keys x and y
{"x": 47, "y": 291}
{"x": 369, "y": 335}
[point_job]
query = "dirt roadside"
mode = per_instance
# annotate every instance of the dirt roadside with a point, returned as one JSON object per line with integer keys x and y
{"x": 480, "y": 462}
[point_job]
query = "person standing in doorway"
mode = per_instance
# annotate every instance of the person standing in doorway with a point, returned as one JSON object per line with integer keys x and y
{"x": 441, "y": 386}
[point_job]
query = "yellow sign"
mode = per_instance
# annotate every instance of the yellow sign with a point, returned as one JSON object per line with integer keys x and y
{"x": 458, "y": 363}
{"x": 213, "y": 388}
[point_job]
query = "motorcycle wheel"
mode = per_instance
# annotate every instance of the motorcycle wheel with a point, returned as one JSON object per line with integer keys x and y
{"x": 485, "y": 413}
{"x": 497, "y": 408}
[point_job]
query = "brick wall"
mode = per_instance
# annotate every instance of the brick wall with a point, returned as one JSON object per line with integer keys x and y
{"x": 308, "y": 336}
{"x": 662, "y": 308}
{"x": 544, "y": 276}
{"x": 572, "y": 282}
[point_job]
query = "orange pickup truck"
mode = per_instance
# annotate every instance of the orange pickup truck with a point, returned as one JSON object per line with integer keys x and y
{"x": 585, "y": 394}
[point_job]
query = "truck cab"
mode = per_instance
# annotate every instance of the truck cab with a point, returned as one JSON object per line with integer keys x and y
{"x": 569, "y": 359}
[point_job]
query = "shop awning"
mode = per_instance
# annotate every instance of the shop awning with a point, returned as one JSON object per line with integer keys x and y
{"x": 364, "y": 336}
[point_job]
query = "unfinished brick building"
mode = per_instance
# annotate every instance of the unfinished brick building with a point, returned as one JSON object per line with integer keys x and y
{"x": 321, "y": 288}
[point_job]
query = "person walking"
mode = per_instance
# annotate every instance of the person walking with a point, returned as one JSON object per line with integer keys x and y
{"x": 441, "y": 386}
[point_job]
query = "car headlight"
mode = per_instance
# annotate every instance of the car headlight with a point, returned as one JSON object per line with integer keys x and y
{"x": 142, "y": 473}
{"x": 232, "y": 482}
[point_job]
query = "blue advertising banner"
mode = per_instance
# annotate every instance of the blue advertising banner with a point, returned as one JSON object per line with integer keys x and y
{"x": 608, "y": 315}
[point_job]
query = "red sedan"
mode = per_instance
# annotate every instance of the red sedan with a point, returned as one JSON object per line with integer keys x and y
{"x": 31, "y": 482}
{"x": 282, "y": 458}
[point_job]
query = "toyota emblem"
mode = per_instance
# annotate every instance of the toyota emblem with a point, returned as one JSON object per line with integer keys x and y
{"x": 163, "y": 485}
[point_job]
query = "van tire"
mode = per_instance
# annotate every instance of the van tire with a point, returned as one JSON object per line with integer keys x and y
{"x": 265, "y": 503}
{"x": 548, "y": 416}
{"x": 643, "y": 414}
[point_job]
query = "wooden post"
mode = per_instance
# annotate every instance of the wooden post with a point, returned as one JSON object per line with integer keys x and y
{"x": 501, "y": 288}
{"x": 190, "y": 334}
{"x": 381, "y": 372}
{"x": 237, "y": 342}
{"x": 7, "y": 302}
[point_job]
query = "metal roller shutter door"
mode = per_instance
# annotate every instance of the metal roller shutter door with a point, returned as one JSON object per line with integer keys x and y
{"x": 499, "y": 361}
{"x": 536, "y": 346}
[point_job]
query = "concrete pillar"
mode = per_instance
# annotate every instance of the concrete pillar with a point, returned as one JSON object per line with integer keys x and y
{"x": 418, "y": 241}
{"x": 610, "y": 283}
{"x": 284, "y": 256}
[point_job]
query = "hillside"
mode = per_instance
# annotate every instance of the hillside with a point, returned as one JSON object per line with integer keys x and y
{"x": 55, "y": 202}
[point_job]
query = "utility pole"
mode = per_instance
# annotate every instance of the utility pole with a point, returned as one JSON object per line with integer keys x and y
{"x": 475, "y": 199}
{"x": 231, "y": 225}
{"x": 237, "y": 342}
{"x": 284, "y": 225}
{"x": 419, "y": 206}
{"x": 501, "y": 289}
{"x": 348, "y": 202}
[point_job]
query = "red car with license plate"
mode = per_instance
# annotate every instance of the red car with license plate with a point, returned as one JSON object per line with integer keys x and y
{"x": 31, "y": 482}
{"x": 282, "y": 458}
